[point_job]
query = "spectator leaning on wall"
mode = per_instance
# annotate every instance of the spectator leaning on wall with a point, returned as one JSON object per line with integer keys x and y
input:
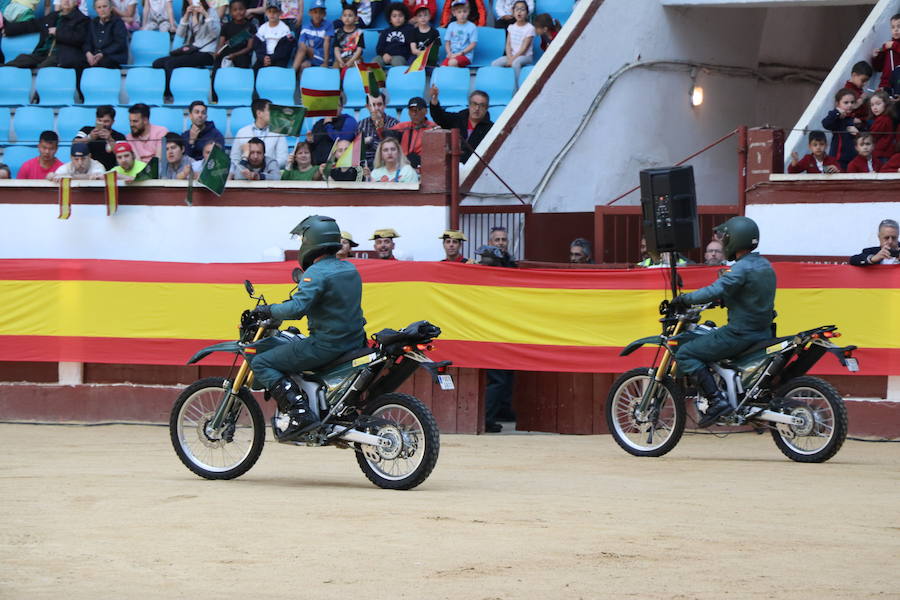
{"x": 45, "y": 162}
{"x": 82, "y": 166}
{"x": 886, "y": 252}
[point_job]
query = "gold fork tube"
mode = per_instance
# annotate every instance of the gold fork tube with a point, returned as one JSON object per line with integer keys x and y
{"x": 245, "y": 366}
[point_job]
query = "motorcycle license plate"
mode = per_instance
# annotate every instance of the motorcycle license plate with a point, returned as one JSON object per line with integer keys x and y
{"x": 446, "y": 382}
{"x": 852, "y": 365}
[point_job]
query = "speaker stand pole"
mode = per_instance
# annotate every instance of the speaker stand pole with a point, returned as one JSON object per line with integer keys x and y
{"x": 676, "y": 283}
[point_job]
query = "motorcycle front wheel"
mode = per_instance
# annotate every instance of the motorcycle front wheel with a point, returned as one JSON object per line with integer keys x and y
{"x": 226, "y": 454}
{"x": 654, "y": 432}
{"x": 415, "y": 442}
{"x": 824, "y": 416}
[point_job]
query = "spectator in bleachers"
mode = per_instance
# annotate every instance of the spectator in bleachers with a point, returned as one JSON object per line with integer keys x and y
{"x": 477, "y": 13}
{"x": 107, "y": 39}
{"x": 197, "y": 165}
{"x": 519, "y": 49}
{"x": 5, "y": 172}
{"x": 473, "y": 123}
{"x": 859, "y": 77}
{"x": 259, "y": 128}
{"x": 159, "y": 16}
{"x": 393, "y": 43}
{"x": 199, "y": 28}
{"x": 892, "y": 165}
{"x": 128, "y": 165}
{"x": 412, "y": 6}
{"x": 499, "y": 238}
{"x": 291, "y": 13}
{"x": 256, "y": 11}
{"x": 580, "y": 252}
{"x": 503, "y": 12}
{"x": 410, "y": 132}
{"x": 347, "y": 245}
{"x": 127, "y": 11}
{"x": 102, "y": 137}
{"x": 236, "y": 38}
{"x": 348, "y": 39}
{"x": 17, "y": 11}
{"x": 326, "y": 131}
{"x": 175, "y": 165}
{"x": 299, "y": 165}
{"x": 882, "y": 126}
{"x": 81, "y": 165}
{"x": 373, "y": 127}
{"x": 714, "y": 254}
{"x": 62, "y": 36}
{"x": 461, "y": 38}
{"x": 817, "y": 161}
{"x": 844, "y": 128}
{"x": 391, "y": 165}
{"x": 864, "y": 161}
{"x": 384, "y": 243}
{"x": 221, "y": 7}
{"x": 366, "y": 11}
{"x": 201, "y": 131}
{"x": 546, "y": 28}
{"x": 45, "y": 162}
{"x": 452, "y": 241}
{"x": 314, "y": 41}
{"x": 423, "y": 34}
{"x": 886, "y": 252}
{"x": 886, "y": 57}
{"x": 146, "y": 139}
{"x": 355, "y": 173}
{"x": 274, "y": 40}
{"x": 257, "y": 166}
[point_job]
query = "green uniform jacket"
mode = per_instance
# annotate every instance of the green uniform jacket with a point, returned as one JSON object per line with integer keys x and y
{"x": 748, "y": 291}
{"x": 329, "y": 296}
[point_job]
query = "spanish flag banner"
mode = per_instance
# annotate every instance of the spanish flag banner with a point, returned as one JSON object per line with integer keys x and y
{"x": 353, "y": 155}
{"x": 112, "y": 193}
{"x": 530, "y": 319}
{"x": 320, "y": 103}
{"x": 369, "y": 70}
{"x": 428, "y": 58}
{"x": 65, "y": 197}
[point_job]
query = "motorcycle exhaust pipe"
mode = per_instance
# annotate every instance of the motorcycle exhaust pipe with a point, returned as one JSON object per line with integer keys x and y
{"x": 762, "y": 414}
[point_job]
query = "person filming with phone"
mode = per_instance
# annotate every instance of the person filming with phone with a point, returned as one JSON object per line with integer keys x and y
{"x": 886, "y": 252}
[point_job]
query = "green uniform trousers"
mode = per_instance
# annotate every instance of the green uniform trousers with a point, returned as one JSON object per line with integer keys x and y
{"x": 724, "y": 342}
{"x": 300, "y": 355}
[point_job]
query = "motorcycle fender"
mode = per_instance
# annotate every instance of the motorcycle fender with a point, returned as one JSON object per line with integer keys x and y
{"x": 232, "y": 347}
{"x": 433, "y": 367}
{"x": 841, "y": 353}
{"x": 656, "y": 340}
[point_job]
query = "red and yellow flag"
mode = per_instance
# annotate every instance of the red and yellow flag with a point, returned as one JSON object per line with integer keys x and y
{"x": 112, "y": 193}
{"x": 367, "y": 70}
{"x": 320, "y": 103}
{"x": 428, "y": 58}
{"x": 353, "y": 155}
{"x": 65, "y": 197}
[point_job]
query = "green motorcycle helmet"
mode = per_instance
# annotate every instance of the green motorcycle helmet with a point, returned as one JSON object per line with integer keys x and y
{"x": 318, "y": 235}
{"x": 738, "y": 233}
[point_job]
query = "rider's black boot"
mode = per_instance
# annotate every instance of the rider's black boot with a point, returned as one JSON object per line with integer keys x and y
{"x": 293, "y": 403}
{"x": 718, "y": 404}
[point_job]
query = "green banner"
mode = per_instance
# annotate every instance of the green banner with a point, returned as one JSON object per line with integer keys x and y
{"x": 286, "y": 120}
{"x": 151, "y": 171}
{"x": 215, "y": 171}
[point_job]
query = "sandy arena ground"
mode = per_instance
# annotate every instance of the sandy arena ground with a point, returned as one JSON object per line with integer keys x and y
{"x": 110, "y": 512}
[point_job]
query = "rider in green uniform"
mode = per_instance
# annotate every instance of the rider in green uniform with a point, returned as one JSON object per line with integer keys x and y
{"x": 747, "y": 290}
{"x": 329, "y": 295}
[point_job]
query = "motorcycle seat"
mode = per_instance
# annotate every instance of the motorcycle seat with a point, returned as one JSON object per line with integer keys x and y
{"x": 343, "y": 358}
{"x": 414, "y": 333}
{"x": 759, "y": 346}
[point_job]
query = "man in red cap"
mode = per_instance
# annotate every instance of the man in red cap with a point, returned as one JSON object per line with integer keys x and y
{"x": 128, "y": 166}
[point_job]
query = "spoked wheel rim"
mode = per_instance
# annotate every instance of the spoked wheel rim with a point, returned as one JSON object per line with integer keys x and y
{"x": 643, "y": 432}
{"x": 215, "y": 454}
{"x": 819, "y": 421}
{"x": 408, "y": 443}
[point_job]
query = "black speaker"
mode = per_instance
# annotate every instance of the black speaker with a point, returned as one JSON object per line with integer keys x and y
{"x": 669, "y": 207}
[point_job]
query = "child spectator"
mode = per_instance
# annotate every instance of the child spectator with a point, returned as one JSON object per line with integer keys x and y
{"x": 236, "y": 38}
{"x": 859, "y": 77}
{"x": 314, "y": 41}
{"x": 891, "y": 166}
{"x": 391, "y": 164}
{"x": 45, "y": 162}
{"x": 816, "y": 161}
{"x": 127, "y": 11}
{"x": 518, "y": 40}
{"x": 503, "y": 13}
{"x": 477, "y": 13}
{"x": 274, "y": 41}
{"x": 413, "y": 5}
{"x": 348, "y": 40}
{"x": 299, "y": 165}
{"x": 393, "y": 43}
{"x": 844, "y": 128}
{"x": 882, "y": 125}
{"x": 424, "y": 34}
{"x": 886, "y": 58}
{"x": 462, "y": 37}
{"x": 864, "y": 162}
{"x": 546, "y": 27}
{"x": 291, "y": 13}
{"x": 158, "y": 16}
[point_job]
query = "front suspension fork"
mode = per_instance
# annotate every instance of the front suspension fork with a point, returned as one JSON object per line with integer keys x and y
{"x": 244, "y": 376}
{"x": 661, "y": 372}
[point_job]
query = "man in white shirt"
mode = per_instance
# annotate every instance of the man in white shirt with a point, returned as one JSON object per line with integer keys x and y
{"x": 276, "y": 143}
{"x": 82, "y": 166}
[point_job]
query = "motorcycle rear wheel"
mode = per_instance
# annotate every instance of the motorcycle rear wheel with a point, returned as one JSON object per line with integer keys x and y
{"x": 224, "y": 457}
{"x": 825, "y": 415}
{"x": 644, "y": 435}
{"x": 416, "y": 443}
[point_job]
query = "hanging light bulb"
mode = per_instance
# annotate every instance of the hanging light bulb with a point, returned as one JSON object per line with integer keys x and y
{"x": 696, "y": 95}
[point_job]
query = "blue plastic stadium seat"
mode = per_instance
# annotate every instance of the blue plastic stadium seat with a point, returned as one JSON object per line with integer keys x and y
{"x": 64, "y": 152}
{"x": 147, "y": 46}
{"x": 240, "y": 117}
{"x": 496, "y": 111}
{"x": 189, "y": 84}
{"x": 320, "y": 78}
{"x": 146, "y": 85}
{"x": 55, "y": 86}
{"x": 558, "y": 9}
{"x": 353, "y": 87}
{"x": 333, "y": 9}
{"x": 498, "y": 82}
{"x": 73, "y": 118}
{"x": 453, "y": 84}
{"x": 30, "y": 121}
{"x": 371, "y": 40}
{"x": 524, "y": 73}
{"x": 20, "y": 44}
{"x": 403, "y": 86}
{"x": 5, "y": 119}
{"x": 100, "y": 86}
{"x": 16, "y": 87}
{"x": 120, "y": 123}
{"x": 217, "y": 115}
{"x": 536, "y": 51}
{"x": 14, "y": 156}
{"x": 234, "y": 86}
{"x": 381, "y": 22}
{"x": 278, "y": 85}
{"x": 170, "y": 118}
{"x": 491, "y": 46}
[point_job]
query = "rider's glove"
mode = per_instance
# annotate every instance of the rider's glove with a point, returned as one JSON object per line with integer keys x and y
{"x": 262, "y": 312}
{"x": 678, "y": 303}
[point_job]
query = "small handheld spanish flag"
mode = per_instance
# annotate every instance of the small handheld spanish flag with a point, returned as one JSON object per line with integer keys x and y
{"x": 65, "y": 197}
{"x": 428, "y": 58}
{"x": 112, "y": 193}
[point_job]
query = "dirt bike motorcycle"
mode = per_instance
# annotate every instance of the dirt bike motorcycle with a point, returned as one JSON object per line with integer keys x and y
{"x": 766, "y": 385}
{"x": 217, "y": 427}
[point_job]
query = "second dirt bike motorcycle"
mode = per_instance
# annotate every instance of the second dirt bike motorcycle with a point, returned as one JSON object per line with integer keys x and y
{"x": 218, "y": 429}
{"x": 766, "y": 385}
